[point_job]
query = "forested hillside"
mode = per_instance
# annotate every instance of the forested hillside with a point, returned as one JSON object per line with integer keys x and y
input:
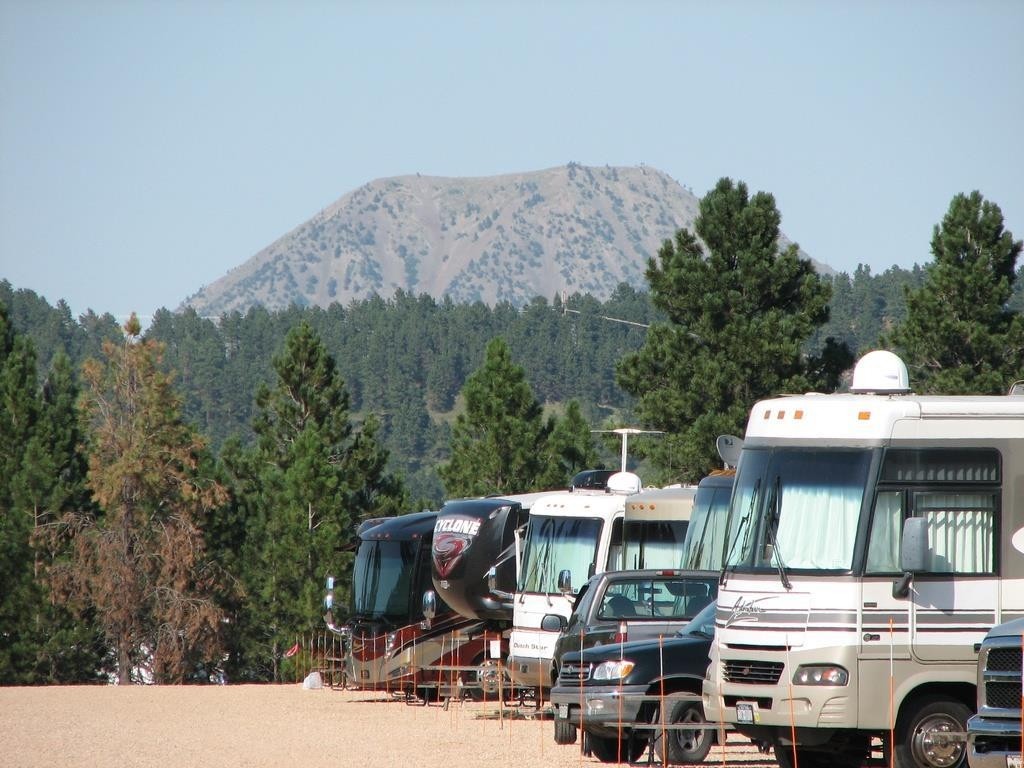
{"x": 406, "y": 358}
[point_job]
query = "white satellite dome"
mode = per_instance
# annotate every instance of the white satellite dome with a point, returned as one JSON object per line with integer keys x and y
{"x": 624, "y": 482}
{"x": 880, "y": 372}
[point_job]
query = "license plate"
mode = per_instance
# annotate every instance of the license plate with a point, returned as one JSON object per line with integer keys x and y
{"x": 1013, "y": 761}
{"x": 563, "y": 714}
{"x": 746, "y": 712}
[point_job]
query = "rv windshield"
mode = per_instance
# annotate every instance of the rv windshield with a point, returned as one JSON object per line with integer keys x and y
{"x": 555, "y": 544}
{"x": 653, "y": 543}
{"x": 382, "y": 580}
{"x": 703, "y": 548}
{"x": 796, "y": 508}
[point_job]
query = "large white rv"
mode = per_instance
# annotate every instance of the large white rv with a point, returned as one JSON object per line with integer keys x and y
{"x": 569, "y": 538}
{"x": 868, "y": 551}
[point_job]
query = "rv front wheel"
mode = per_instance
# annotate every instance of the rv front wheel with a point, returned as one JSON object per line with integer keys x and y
{"x": 921, "y": 740}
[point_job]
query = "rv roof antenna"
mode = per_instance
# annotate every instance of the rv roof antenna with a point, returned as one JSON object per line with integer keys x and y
{"x": 624, "y": 433}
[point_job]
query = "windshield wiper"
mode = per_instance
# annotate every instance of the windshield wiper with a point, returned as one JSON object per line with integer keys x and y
{"x": 771, "y": 534}
{"x": 723, "y": 579}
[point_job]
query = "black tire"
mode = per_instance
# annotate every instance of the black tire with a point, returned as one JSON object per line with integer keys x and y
{"x": 565, "y": 732}
{"x": 917, "y": 726}
{"x": 684, "y": 747}
{"x": 608, "y": 749}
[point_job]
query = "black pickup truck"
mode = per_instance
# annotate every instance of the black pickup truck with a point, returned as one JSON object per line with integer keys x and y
{"x": 614, "y": 693}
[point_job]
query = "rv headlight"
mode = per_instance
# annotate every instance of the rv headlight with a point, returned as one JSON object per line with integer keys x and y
{"x": 389, "y": 644}
{"x": 329, "y": 600}
{"x": 821, "y": 674}
{"x": 613, "y": 670}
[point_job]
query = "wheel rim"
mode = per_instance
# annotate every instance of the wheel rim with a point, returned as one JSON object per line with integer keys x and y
{"x": 487, "y": 676}
{"x": 930, "y": 746}
{"x": 690, "y": 741}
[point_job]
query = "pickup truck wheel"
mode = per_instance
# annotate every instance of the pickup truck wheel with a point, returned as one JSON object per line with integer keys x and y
{"x": 920, "y": 739}
{"x": 565, "y": 732}
{"x": 684, "y": 746}
{"x": 609, "y": 749}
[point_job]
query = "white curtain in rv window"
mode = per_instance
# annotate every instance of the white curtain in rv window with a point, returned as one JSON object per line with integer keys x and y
{"x": 960, "y": 531}
{"x": 817, "y": 525}
{"x": 884, "y": 545}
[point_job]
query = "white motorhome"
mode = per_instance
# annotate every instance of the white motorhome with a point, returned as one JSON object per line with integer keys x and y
{"x": 654, "y": 527}
{"x": 869, "y": 550}
{"x": 569, "y": 538}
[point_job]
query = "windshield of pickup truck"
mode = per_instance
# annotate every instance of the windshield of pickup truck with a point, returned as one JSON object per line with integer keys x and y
{"x": 657, "y": 599}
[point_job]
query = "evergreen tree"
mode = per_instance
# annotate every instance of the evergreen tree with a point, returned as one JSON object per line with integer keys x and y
{"x": 141, "y": 563}
{"x": 569, "y": 449}
{"x": 739, "y": 309}
{"x": 52, "y": 482}
{"x": 498, "y": 443}
{"x": 19, "y": 590}
{"x": 316, "y": 477}
{"x": 959, "y": 335}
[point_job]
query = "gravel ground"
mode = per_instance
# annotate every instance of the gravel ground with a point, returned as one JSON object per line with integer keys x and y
{"x": 277, "y": 725}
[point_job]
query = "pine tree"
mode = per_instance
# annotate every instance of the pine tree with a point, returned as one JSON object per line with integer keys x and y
{"x": 140, "y": 563}
{"x": 19, "y": 590}
{"x": 498, "y": 443}
{"x": 52, "y": 482}
{"x": 739, "y": 308}
{"x": 569, "y": 449}
{"x": 959, "y": 335}
{"x": 317, "y": 476}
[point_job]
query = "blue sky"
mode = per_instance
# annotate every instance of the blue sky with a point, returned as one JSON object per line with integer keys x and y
{"x": 146, "y": 148}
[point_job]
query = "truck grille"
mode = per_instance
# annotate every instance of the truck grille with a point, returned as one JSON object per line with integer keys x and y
{"x": 574, "y": 674}
{"x": 752, "y": 672}
{"x": 1001, "y": 674}
{"x": 1004, "y": 660}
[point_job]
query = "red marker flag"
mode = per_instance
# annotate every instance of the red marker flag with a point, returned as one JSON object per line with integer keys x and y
{"x": 291, "y": 651}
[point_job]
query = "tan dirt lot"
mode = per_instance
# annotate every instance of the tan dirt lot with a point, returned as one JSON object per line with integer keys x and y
{"x": 252, "y": 726}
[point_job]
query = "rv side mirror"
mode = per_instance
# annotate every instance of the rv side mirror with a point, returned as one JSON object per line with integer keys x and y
{"x": 429, "y": 607}
{"x": 913, "y": 553}
{"x": 553, "y": 622}
{"x": 914, "y": 545}
{"x": 565, "y": 581}
{"x": 492, "y": 579}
